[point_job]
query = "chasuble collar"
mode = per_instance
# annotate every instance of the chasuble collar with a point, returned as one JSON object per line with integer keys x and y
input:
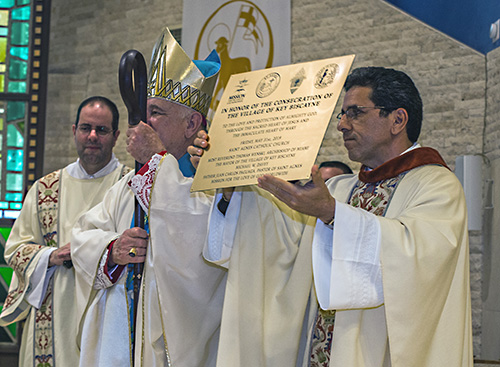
{"x": 405, "y": 162}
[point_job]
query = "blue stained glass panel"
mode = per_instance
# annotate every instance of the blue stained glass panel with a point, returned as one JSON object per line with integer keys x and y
{"x": 6, "y": 3}
{"x": 15, "y": 111}
{"x": 16, "y": 206}
{"x": 21, "y": 13}
{"x": 17, "y": 87}
{"x": 14, "y": 137}
{"x": 21, "y": 52}
{"x": 4, "y": 205}
{"x": 23, "y": 2}
{"x": 14, "y": 182}
{"x": 15, "y": 159}
{"x": 18, "y": 69}
{"x": 11, "y": 196}
{"x": 4, "y": 31}
{"x": 20, "y": 34}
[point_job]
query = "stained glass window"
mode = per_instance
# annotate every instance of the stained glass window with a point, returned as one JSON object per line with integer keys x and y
{"x": 15, "y": 34}
{"x": 23, "y": 69}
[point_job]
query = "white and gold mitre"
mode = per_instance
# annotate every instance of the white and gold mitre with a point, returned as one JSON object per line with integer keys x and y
{"x": 174, "y": 77}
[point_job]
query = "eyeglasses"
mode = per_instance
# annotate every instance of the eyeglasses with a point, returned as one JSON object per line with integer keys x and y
{"x": 353, "y": 112}
{"x": 86, "y": 129}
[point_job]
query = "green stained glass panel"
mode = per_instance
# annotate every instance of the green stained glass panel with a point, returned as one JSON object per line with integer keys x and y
{"x": 6, "y": 274}
{"x": 2, "y": 82}
{"x": 5, "y": 231}
{"x": 3, "y": 48}
{"x": 21, "y": 52}
{"x": 18, "y": 69}
{"x": 21, "y": 13}
{"x": 4, "y": 337}
{"x": 23, "y": 2}
{"x": 14, "y": 137}
{"x": 15, "y": 159}
{"x": 1, "y": 123}
{"x": 14, "y": 182}
{"x": 15, "y": 111}
{"x": 6, "y": 3}
{"x": 20, "y": 34}
{"x": 4, "y": 205}
{"x": 17, "y": 87}
{"x": 4, "y": 18}
{"x": 13, "y": 329}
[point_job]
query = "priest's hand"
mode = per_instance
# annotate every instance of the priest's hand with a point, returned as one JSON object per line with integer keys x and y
{"x": 200, "y": 144}
{"x": 143, "y": 142}
{"x": 130, "y": 247}
{"x": 57, "y": 257}
{"x": 312, "y": 199}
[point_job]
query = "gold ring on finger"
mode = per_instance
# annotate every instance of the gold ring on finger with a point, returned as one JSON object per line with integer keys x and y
{"x": 132, "y": 252}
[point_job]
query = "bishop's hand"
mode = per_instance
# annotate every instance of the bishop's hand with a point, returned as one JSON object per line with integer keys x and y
{"x": 200, "y": 144}
{"x": 143, "y": 142}
{"x": 130, "y": 247}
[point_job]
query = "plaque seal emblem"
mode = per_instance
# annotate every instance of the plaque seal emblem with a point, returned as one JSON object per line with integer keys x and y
{"x": 268, "y": 85}
{"x": 326, "y": 75}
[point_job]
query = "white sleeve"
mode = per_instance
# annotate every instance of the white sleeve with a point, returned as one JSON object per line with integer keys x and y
{"x": 39, "y": 280}
{"x": 346, "y": 260}
{"x": 222, "y": 229}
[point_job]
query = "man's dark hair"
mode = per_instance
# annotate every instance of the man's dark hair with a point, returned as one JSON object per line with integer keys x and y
{"x": 107, "y": 102}
{"x": 392, "y": 89}
{"x": 344, "y": 167}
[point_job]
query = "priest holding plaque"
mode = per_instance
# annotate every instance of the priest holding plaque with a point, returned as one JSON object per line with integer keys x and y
{"x": 365, "y": 270}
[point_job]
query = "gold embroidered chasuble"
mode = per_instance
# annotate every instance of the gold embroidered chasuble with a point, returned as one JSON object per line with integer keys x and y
{"x": 50, "y": 210}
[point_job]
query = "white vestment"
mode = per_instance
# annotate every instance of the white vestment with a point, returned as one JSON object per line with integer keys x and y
{"x": 181, "y": 294}
{"x": 267, "y": 248}
{"x": 49, "y": 293}
{"x": 399, "y": 283}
